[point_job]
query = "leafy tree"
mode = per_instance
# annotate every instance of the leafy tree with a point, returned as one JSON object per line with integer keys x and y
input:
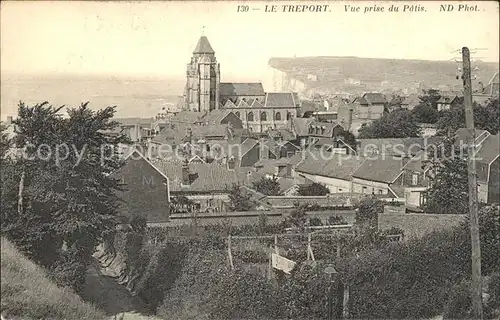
{"x": 430, "y": 98}
{"x": 334, "y": 220}
{"x": 239, "y": 201}
{"x": 268, "y": 186}
{"x": 298, "y": 216}
{"x": 349, "y": 139}
{"x": 449, "y": 191}
{"x": 314, "y": 189}
{"x": 368, "y": 210}
{"x": 485, "y": 118}
{"x": 425, "y": 113}
{"x": 315, "y": 221}
{"x": 397, "y": 124}
{"x": 65, "y": 203}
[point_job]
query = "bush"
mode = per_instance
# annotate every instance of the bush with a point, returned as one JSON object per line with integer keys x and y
{"x": 459, "y": 304}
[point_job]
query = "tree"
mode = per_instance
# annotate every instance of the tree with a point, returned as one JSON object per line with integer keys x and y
{"x": 430, "y": 98}
{"x": 66, "y": 191}
{"x": 238, "y": 200}
{"x": 397, "y": 124}
{"x": 425, "y": 113}
{"x": 349, "y": 139}
{"x": 485, "y": 118}
{"x": 314, "y": 189}
{"x": 268, "y": 186}
{"x": 368, "y": 210}
{"x": 449, "y": 191}
{"x": 298, "y": 216}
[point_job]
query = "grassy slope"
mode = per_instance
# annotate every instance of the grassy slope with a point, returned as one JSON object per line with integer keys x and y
{"x": 27, "y": 292}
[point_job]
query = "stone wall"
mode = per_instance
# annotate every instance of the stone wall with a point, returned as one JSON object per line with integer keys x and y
{"x": 416, "y": 225}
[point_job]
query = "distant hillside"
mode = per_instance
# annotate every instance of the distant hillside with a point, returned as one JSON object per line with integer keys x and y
{"x": 28, "y": 293}
{"x": 351, "y": 73}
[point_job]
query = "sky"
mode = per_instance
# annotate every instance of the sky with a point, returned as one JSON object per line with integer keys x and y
{"x": 157, "y": 38}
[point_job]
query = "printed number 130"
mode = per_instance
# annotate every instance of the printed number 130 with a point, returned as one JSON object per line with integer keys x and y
{"x": 242, "y": 9}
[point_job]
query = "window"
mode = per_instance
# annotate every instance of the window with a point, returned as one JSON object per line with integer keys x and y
{"x": 288, "y": 116}
{"x": 322, "y": 130}
{"x": 277, "y": 116}
{"x": 380, "y": 192}
{"x": 263, "y": 116}
{"x": 340, "y": 190}
{"x": 414, "y": 179}
{"x": 250, "y": 116}
{"x": 364, "y": 189}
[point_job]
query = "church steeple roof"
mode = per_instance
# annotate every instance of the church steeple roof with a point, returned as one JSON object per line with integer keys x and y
{"x": 203, "y": 46}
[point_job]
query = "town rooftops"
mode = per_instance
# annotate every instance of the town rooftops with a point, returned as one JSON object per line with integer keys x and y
{"x": 216, "y": 116}
{"x": 371, "y": 98}
{"x": 301, "y": 125}
{"x": 396, "y": 146}
{"x": 339, "y": 166}
{"x": 280, "y": 99}
{"x": 126, "y": 122}
{"x": 241, "y": 89}
{"x": 447, "y": 99}
{"x": 488, "y": 145}
{"x": 204, "y": 177}
{"x": 203, "y": 46}
{"x": 189, "y": 117}
{"x": 384, "y": 169}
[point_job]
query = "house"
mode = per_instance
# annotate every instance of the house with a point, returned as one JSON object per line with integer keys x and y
{"x": 136, "y": 129}
{"x": 333, "y": 171}
{"x": 381, "y": 175}
{"x": 271, "y": 149}
{"x": 488, "y": 92}
{"x": 370, "y": 106}
{"x": 487, "y": 163}
{"x": 416, "y": 180}
{"x": 146, "y": 191}
{"x": 317, "y": 130}
{"x": 410, "y": 102}
{"x": 222, "y": 117}
{"x": 446, "y": 102}
{"x": 207, "y": 185}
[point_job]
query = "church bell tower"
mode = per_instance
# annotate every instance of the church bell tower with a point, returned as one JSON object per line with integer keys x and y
{"x": 203, "y": 79}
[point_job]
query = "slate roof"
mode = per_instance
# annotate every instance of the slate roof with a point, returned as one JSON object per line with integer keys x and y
{"x": 214, "y": 130}
{"x": 280, "y": 99}
{"x": 241, "y": 89}
{"x": 247, "y": 145}
{"x": 205, "y": 177}
{"x": 446, "y": 99}
{"x": 301, "y": 125}
{"x": 411, "y": 100}
{"x": 215, "y": 116}
{"x": 286, "y": 184}
{"x": 380, "y": 169}
{"x": 372, "y": 97}
{"x": 190, "y": 117}
{"x": 488, "y": 145}
{"x": 396, "y": 146}
{"x": 203, "y": 46}
{"x": 327, "y": 126}
{"x": 282, "y": 133}
{"x": 337, "y": 166}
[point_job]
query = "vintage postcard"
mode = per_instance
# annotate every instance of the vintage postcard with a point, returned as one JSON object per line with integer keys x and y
{"x": 250, "y": 160}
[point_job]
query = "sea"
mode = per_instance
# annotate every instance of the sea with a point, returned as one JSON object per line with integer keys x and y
{"x": 133, "y": 96}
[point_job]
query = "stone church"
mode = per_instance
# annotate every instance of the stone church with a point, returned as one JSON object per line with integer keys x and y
{"x": 258, "y": 110}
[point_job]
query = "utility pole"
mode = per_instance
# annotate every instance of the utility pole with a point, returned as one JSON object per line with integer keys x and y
{"x": 473, "y": 202}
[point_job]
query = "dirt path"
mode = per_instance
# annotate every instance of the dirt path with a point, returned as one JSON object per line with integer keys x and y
{"x": 108, "y": 295}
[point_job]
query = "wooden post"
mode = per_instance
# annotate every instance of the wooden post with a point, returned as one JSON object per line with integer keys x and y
{"x": 477, "y": 305}
{"x": 276, "y": 250}
{"x": 345, "y": 310}
{"x": 310, "y": 252}
{"x": 270, "y": 265}
{"x": 229, "y": 254}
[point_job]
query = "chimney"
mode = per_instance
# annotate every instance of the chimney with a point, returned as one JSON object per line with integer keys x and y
{"x": 231, "y": 163}
{"x": 185, "y": 174}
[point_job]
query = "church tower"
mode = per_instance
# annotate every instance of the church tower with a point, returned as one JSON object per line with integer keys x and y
{"x": 203, "y": 79}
